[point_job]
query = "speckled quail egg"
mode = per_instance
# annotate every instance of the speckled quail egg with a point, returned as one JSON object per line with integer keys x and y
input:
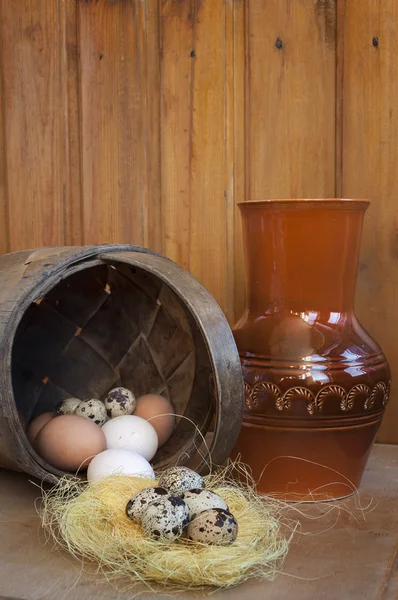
{"x": 165, "y": 519}
{"x": 215, "y": 526}
{"x": 67, "y": 406}
{"x": 92, "y": 409}
{"x": 178, "y": 480}
{"x": 199, "y": 500}
{"x": 139, "y": 502}
{"x": 119, "y": 401}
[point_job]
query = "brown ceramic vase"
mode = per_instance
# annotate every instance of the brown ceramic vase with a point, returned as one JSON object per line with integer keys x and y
{"x": 316, "y": 383}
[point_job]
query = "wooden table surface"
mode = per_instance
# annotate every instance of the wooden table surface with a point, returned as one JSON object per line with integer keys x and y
{"x": 342, "y": 552}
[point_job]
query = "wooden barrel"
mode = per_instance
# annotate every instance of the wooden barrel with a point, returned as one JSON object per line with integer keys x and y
{"x": 79, "y": 321}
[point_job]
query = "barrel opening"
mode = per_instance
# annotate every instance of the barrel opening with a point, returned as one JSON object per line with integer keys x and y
{"x": 110, "y": 325}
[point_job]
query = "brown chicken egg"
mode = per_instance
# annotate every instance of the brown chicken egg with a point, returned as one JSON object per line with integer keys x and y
{"x": 149, "y": 407}
{"x": 37, "y": 424}
{"x": 70, "y": 442}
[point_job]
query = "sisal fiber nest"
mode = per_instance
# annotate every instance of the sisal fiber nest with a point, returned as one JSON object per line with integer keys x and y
{"x": 89, "y": 521}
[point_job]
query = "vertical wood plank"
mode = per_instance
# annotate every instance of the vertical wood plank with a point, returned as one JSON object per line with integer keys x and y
{"x": 73, "y": 234}
{"x": 177, "y": 38}
{"x": 370, "y": 143}
{"x": 155, "y": 233}
{"x": 207, "y": 227}
{"x": 234, "y": 150}
{"x": 236, "y": 46}
{"x": 33, "y": 111}
{"x": 340, "y": 31}
{"x": 208, "y": 167}
{"x": 291, "y": 98}
{"x": 199, "y": 155}
{"x": 119, "y": 121}
{"x": 4, "y": 232}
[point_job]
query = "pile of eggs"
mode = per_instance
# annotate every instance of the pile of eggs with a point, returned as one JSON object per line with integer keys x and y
{"x": 120, "y": 434}
{"x": 181, "y": 506}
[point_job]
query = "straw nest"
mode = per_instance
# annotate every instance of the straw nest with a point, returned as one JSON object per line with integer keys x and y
{"x": 89, "y": 521}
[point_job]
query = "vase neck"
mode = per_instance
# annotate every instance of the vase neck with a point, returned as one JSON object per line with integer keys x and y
{"x": 301, "y": 257}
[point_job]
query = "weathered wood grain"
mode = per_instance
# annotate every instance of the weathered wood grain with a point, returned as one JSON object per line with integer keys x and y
{"x": 118, "y": 84}
{"x": 370, "y": 142}
{"x": 69, "y": 59}
{"x": 34, "y": 122}
{"x": 198, "y": 140}
{"x": 155, "y": 234}
{"x": 235, "y": 147}
{"x": 4, "y": 230}
{"x": 177, "y": 42}
{"x": 340, "y": 34}
{"x": 290, "y": 99}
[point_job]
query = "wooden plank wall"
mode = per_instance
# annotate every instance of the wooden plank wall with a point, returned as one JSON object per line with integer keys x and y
{"x": 146, "y": 121}
{"x": 369, "y": 36}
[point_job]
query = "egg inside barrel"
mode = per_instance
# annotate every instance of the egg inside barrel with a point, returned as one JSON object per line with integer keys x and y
{"x": 131, "y": 433}
{"x": 37, "y": 424}
{"x": 70, "y": 442}
{"x": 107, "y": 326}
{"x": 68, "y": 406}
{"x": 159, "y": 412}
{"x": 119, "y": 402}
{"x": 92, "y": 409}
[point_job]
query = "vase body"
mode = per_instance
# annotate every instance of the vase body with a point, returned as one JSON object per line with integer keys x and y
{"x": 316, "y": 383}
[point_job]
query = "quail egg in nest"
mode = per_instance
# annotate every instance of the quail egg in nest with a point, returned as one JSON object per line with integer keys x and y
{"x": 215, "y": 526}
{"x": 199, "y": 500}
{"x": 139, "y": 503}
{"x": 165, "y": 519}
{"x": 178, "y": 480}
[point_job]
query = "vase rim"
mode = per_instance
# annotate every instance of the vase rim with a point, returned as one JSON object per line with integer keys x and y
{"x": 348, "y": 202}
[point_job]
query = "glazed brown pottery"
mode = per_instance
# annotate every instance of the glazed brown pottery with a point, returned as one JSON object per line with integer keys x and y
{"x": 316, "y": 383}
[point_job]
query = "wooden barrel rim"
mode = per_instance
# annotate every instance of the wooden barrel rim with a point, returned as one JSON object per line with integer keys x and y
{"x": 31, "y": 291}
{"x": 68, "y": 260}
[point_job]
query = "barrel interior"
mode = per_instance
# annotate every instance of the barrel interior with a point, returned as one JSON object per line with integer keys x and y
{"x": 110, "y": 325}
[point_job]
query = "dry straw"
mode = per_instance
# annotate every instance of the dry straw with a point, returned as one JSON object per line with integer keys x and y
{"x": 89, "y": 521}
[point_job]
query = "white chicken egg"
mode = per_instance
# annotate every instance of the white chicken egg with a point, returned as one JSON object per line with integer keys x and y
{"x": 115, "y": 462}
{"x": 131, "y": 433}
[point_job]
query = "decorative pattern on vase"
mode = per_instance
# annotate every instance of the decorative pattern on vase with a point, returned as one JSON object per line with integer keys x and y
{"x": 373, "y": 398}
{"x": 317, "y": 382}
